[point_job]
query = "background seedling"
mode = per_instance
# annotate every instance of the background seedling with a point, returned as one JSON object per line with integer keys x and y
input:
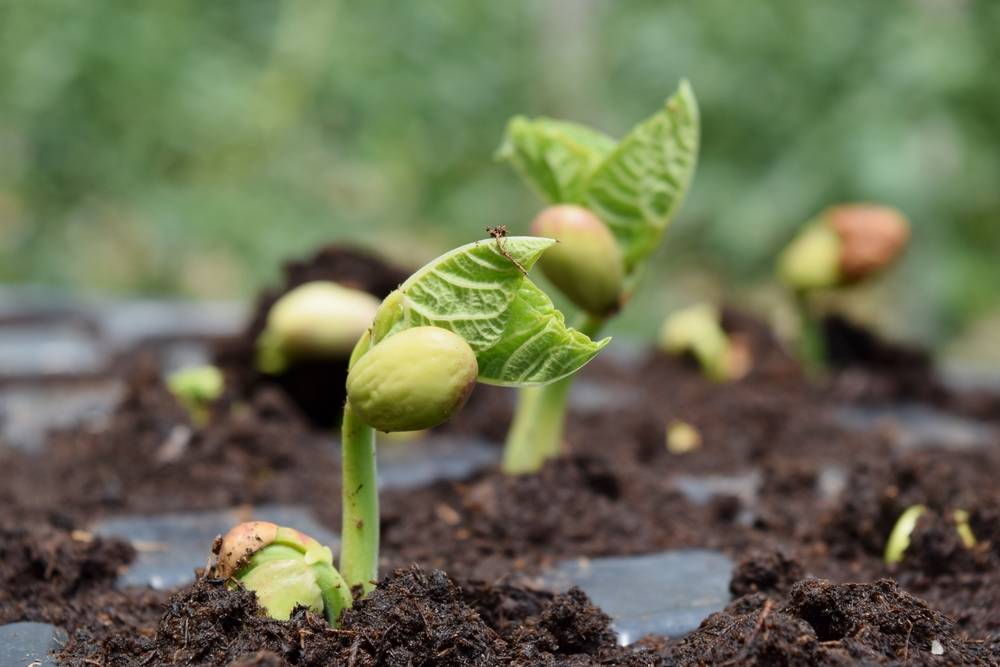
{"x": 697, "y": 330}
{"x": 899, "y": 538}
{"x": 612, "y": 202}
{"x": 317, "y": 320}
{"x": 196, "y": 388}
{"x": 845, "y": 245}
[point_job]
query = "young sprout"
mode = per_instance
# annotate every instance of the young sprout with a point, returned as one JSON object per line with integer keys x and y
{"x": 610, "y": 202}
{"x": 195, "y": 388}
{"x": 964, "y": 530}
{"x": 697, "y": 330}
{"x": 899, "y": 538}
{"x": 317, "y": 320}
{"x": 468, "y": 315}
{"x": 845, "y": 245}
{"x": 285, "y": 568}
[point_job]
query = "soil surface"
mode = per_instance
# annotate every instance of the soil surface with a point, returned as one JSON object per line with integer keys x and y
{"x": 807, "y": 519}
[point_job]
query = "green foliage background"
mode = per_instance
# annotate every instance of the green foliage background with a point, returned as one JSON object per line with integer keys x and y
{"x": 187, "y": 146}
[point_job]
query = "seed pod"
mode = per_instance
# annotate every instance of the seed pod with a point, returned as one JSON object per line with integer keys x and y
{"x": 871, "y": 238}
{"x": 586, "y": 264}
{"x": 284, "y": 568}
{"x": 847, "y": 244}
{"x": 317, "y": 320}
{"x": 415, "y": 379}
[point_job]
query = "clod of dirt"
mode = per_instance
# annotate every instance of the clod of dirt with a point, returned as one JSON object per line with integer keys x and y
{"x": 415, "y": 618}
{"x": 771, "y": 572}
{"x": 43, "y": 569}
{"x": 823, "y": 623}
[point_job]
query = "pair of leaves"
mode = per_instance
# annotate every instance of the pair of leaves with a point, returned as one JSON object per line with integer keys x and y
{"x": 635, "y": 186}
{"x": 480, "y": 292}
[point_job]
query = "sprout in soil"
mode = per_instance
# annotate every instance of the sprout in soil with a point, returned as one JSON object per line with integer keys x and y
{"x": 899, "y": 537}
{"x": 285, "y": 568}
{"x": 697, "y": 331}
{"x": 610, "y": 201}
{"x": 469, "y": 315}
{"x": 317, "y": 320}
{"x": 195, "y": 388}
{"x": 845, "y": 245}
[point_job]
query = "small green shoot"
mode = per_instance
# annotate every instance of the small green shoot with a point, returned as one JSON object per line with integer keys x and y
{"x": 899, "y": 538}
{"x": 964, "y": 530}
{"x": 697, "y": 330}
{"x": 196, "y": 388}
{"x": 284, "y": 568}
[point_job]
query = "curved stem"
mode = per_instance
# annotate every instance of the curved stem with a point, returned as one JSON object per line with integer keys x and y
{"x": 537, "y": 429}
{"x": 360, "y": 525}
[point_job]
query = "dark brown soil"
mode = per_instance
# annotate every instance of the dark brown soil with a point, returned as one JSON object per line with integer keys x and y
{"x": 616, "y": 493}
{"x": 418, "y": 617}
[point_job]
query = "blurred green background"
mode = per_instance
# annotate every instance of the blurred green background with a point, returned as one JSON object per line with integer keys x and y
{"x": 187, "y": 147}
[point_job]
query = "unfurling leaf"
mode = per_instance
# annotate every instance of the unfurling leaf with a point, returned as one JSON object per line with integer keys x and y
{"x": 635, "y": 186}
{"x": 481, "y": 293}
{"x": 637, "y": 189}
{"x": 556, "y": 157}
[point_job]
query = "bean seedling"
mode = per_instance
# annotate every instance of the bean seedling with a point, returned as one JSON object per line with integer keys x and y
{"x": 469, "y": 315}
{"x": 899, "y": 537}
{"x": 845, "y": 245}
{"x": 195, "y": 388}
{"x": 317, "y": 320}
{"x": 697, "y": 330}
{"x": 610, "y": 201}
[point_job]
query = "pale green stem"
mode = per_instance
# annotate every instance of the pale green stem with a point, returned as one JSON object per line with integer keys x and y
{"x": 536, "y": 432}
{"x": 812, "y": 338}
{"x": 360, "y": 527}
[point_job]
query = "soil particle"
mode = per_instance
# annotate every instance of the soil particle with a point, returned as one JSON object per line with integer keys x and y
{"x": 771, "y": 572}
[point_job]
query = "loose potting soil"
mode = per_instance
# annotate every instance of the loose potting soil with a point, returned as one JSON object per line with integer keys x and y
{"x": 802, "y": 501}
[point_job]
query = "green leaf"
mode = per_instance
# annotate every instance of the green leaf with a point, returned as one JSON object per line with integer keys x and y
{"x": 480, "y": 291}
{"x": 556, "y": 157}
{"x": 537, "y": 347}
{"x": 638, "y": 188}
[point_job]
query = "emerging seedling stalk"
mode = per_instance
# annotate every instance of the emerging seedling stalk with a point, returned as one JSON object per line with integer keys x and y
{"x": 360, "y": 517}
{"x": 536, "y": 433}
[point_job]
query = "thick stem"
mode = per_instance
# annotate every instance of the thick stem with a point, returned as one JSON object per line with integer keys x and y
{"x": 536, "y": 433}
{"x": 360, "y": 527}
{"x": 812, "y": 338}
